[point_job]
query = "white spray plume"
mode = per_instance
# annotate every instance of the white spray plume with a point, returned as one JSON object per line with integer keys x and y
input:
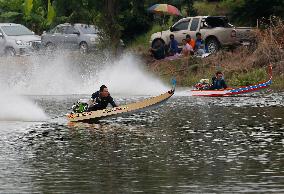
{"x": 127, "y": 77}
{"x": 66, "y": 73}
{"x": 19, "y": 108}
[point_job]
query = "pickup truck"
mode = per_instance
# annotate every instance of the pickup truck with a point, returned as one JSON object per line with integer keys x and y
{"x": 215, "y": 30}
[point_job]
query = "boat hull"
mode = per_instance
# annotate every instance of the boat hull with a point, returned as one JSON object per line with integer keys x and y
{"x": 94, "y": 116}
{"x": 235, "y": 91}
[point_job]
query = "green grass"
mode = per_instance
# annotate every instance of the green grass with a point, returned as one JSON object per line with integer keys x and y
{"x": 205, "y": 8}
{"x": 213, "y": 8}
{"x": 143, "y": 40}
{"x": 277, "y": 82}
{"x": 197, "y": 70}
{"x": 247, "y": 78}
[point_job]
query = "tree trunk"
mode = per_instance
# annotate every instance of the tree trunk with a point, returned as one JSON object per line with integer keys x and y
{"x": 112, "y": 25}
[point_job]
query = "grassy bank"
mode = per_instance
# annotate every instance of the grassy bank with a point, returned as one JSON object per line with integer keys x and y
{"x": 242, "y": 66}
{"x": 188, "y": 74}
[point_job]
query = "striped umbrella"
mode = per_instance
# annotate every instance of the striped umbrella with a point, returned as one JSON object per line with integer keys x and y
{"x": 164, "y": 9}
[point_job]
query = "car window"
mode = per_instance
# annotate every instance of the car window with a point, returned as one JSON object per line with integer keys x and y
{"x": 18, "y": 30}
{"x": 52, "y": 30}
{"x": 69, "y": 30}
{"x": 194, "y": 24}
{"x": 87, "y": 29}
{"x": 181, "y": 26}
{"x": 58, "y": 29}
{"x": 217, "y": 22}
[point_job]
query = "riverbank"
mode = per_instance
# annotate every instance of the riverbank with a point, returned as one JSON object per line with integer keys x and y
{"x": 241, "y": 66}
{"x": 188, "y": 71}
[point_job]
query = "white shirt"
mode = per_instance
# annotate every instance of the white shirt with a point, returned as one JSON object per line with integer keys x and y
{"x": 187, "y": 47}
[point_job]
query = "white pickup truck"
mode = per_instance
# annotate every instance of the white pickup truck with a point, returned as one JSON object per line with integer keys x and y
{"x": 215, "y": 30}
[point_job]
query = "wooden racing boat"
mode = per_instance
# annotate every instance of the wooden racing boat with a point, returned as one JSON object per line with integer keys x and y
{"x": 116, "y": 111}
{"x": 235, "y": 91}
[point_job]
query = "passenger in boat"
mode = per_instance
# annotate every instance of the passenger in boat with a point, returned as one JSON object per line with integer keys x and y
{"x": 218, "y": 82}
{"x": 101, "y": 99}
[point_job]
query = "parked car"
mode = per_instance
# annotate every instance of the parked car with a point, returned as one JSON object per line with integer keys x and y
{"x": 77, "y": 36}
{"x": 16, "y": 39}
{"x": 73, "y": 36}
{"x": 215, "y": 30}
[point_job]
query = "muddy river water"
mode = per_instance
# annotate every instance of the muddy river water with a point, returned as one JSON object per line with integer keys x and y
{"x": 186, "y": 145}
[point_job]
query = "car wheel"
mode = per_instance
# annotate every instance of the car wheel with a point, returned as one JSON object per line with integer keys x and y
{"x": 50, "y": 46}
{"x": 155, "y": 42}
{"x": 83, "y": 47}
{"x": 10, "y": 51}
{"x": 213, "y": 45}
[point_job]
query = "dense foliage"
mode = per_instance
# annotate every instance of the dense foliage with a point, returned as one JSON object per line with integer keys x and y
{"x": 124, "y": 19}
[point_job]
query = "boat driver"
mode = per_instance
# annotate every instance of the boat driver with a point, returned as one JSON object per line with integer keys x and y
{"x": 101, "y": 99}
{"x": 218, "y": 82}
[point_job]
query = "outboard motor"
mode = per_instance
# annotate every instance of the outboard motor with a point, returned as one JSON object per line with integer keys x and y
{"x": 203, "y": 84}
{"x": 81, "y": 106}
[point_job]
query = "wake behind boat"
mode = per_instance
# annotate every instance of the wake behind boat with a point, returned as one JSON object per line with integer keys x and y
{"x": 93, "y": 116}
{"x": 235, "y": 91}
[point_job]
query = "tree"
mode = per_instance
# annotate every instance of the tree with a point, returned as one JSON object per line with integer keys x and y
{"x": 50, "y": 13}
{"x": 11, "y": 11}
{"x": 248, "y": 11}
{"x": 189, "y": 7}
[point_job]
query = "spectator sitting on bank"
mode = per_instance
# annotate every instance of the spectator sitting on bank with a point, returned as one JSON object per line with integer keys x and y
{"x": 158, "y": 50}
{"x": 187, "y": 49}
{"x": 190, "y": 41}
{"x": 199, "y": 45}
{"x": 173, "y": 46}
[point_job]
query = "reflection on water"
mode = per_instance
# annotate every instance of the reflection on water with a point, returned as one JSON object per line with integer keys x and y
{"x": 186, "y": 145}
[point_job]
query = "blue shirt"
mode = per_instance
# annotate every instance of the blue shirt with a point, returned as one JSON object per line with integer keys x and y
{"x": 198, "y": 43}
{"x": 173, "y": 46}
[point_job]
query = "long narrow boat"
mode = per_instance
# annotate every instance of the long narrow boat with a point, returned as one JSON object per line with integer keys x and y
{"x": 235, "y": 91}
{"x": 94, "y": 116}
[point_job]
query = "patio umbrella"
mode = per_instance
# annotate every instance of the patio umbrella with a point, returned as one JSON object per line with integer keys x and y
{"x": 164, "y": 9}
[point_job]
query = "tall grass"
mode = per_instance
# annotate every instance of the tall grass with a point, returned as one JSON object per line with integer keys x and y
{"x": 248, "y": 78}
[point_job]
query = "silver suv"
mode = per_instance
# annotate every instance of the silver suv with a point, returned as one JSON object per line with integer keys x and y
{"x": 16, "y": 39}
{"x": 76, "y": 36}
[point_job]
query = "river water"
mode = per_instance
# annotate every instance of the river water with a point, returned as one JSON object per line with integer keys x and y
{"x": 186, "y": 145}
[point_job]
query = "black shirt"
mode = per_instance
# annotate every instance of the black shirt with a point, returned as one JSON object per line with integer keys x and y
{"x": 218, "y": 84}
{"x": 102, "y": 102}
